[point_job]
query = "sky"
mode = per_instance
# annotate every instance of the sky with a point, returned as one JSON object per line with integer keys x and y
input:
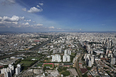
{"x": 57, "y": 15}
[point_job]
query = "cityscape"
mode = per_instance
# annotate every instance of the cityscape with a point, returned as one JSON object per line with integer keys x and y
{"x": 57, "y": 38}
{"x": 58, "y": 54}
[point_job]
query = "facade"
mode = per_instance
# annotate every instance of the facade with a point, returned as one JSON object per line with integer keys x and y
{"x": 89, "y": 63}
{"x": 56, "y": 58}
{"x": 8, "y": 72}
{"x": 66, "y": 58}
{"x": 67, "y": 52}
{"x": 112, "y": 61}
{"x": 18, "y": 69}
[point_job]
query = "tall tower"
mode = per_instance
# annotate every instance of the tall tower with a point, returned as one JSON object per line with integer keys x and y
{"x": 18, "y": 69}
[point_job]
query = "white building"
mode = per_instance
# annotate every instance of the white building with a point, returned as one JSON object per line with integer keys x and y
{"x": 110, "y": 55}
{"x": 99, "y": 52}
{"x": 92, "y": 59}
{"x": 5, "y": 71}
{"x": 56, "y": 58}
{"x": 18, "y": 69}
{"x": 89, "y": 63}
{"x": 89, "y": 59}
{"x": 60, "y": 50}
{"x": 8, "y": 72}
{"x": 66, "y": 58}
{"x": 88, "y": 48}
{"x": 112, "y": 61}
{"x": 68, "y": 52}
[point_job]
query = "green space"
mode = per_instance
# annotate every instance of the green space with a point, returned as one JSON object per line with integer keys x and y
{"x": 47, "y": 60}
{"x": 85, "y": 75}
{"x": 48, "y": 65}
{"x": 39, "y": 65}
{"x": 63, "y": 70}
{"x": 89, "y": 68}
{"x": 30, "y": 58}
{"x": 65, "y": 73}
{"x": 72, "y": 56}
{"x": 26, "y": 64}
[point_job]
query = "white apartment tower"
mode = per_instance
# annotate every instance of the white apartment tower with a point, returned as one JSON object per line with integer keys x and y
{"x": 66, "y": 56}
{"x": 56, "y": 58}
{"x": 8, "y": 72}
{"x": 18, "y": 69}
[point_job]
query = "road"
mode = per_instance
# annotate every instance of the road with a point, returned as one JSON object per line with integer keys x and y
{"x": 8, "y": 56}
{"x": 77, "y": 66}
{"x": 36, "y": 48}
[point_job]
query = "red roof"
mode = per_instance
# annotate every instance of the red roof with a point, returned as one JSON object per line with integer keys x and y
{"x": 36, "y": 40}
{"x": 89, "y": 75}
{"x": 83, "y": 70}
{"x": 1, "y": 66}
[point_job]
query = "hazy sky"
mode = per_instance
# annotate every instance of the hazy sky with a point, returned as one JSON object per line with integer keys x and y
{"x": 57, "y": 15}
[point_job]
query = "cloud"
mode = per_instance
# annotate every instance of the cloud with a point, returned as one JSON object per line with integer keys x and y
{"x": 39, "y": 24}
{"x": 21, "y": 18}
{"x": 12, "y": 19}
{"x": 52, "y": 27}
{"x": 5, "y": 2}
{"x": 26, "y": 23}
{"x": 34, "y": 10}
{"x": 24, "y": 9}
{"x": 28, "y": 20}
{"x": 0, "y": 18}
{"x": 41, "y": 4}
{"x": 33, "y": 21}
{"x": 38, "y": 6}
{"x": 15, "y": 23}
{"x": 11, "y": 1}
{"x": 58, "y": 28}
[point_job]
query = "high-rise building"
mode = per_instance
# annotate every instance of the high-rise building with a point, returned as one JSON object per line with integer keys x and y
{"x": 112, "y": 61}
{"x": 92, "y": 59}
{"x": 56, "y": 58}
{"x": 8, "y": 72}
{"x": 68, "y": 52}
{"x": 66, "y": 58}
{"x": 89, "y": 63}
{"x": 18, "y": 69}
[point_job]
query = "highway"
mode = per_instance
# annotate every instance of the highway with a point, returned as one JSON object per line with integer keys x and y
{"x": 77, "y": 65}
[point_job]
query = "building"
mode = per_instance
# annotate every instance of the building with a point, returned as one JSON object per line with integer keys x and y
{"x": 89, "y": 63}
{"x": 8, "y": 72}
{"x": 92, "y": 59}
{"x": 66, "y": 58}
{"x": 56, "y": 58}
{"x": 67, "y": 52}
{"x": 18, "y": 69}
{"x": 112, "y": 61}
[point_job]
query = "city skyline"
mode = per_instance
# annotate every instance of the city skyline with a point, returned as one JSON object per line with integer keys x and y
{"x": 57, "y": 15}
